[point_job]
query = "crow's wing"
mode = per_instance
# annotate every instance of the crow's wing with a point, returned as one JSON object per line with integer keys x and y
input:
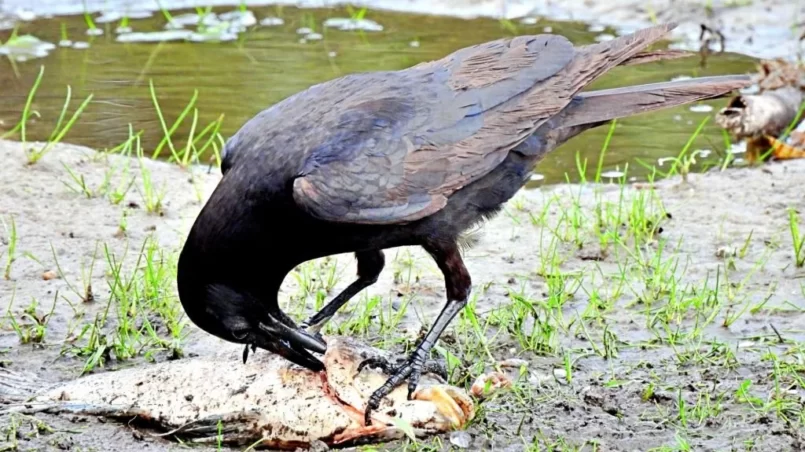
{"x": 397, "y": 158}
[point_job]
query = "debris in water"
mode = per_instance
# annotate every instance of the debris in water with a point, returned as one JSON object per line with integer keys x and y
{"x": 26, "y": 46}
{"x": 238, "y": 20}
{"x": 107, "y": 17}
{"x": 613, "y": 174}
{"x": 414, "y": 43}
{"x": 114, "y": 16}
{"x": 94, "y": 31}
{"x": 304, "y": 31}
{"x": 347, "y": 24}
{"x": 314, "y": 37}
{"x": 604, "y": 37}
{"x": 155, "y": 36}
{"x": 661, "y": 161}
{"x": 81, "y": 45}
{"x": 701, "y": 108}
{"x": 65, "y": 43}
{"x": 270, "y": 401}
{"x": 596, "y": 28}
{"x": 737, "y": 148}
{"x": 25, "y": 15}
{"x": 529, "y": 21}
{"x": 272, "y": 22}
{"x": 190, "y": 19}
{"x": 537, "y": 177}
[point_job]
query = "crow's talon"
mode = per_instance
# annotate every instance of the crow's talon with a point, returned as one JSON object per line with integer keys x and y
{"x": 246, "y": 351}
{"x": 436, "y": 367}
{"x": 407, "y": 368}
{"x": 381, "y": 363}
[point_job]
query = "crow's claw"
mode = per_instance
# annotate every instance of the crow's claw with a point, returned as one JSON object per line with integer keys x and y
{"x": 246, "y": 351}
{"x": 410, "y": 369}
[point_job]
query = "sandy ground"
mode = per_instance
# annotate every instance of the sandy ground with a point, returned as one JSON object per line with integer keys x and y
{"x": 760, "y": 28}
{"x": 726, "y": 252}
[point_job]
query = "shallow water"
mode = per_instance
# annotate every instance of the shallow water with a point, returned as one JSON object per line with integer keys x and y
{"x": 252, "y": 69}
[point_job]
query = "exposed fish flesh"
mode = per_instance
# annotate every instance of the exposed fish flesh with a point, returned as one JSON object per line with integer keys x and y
{"x": 267, "y": 401}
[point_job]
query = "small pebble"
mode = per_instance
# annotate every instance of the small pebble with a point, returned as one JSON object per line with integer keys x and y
{"x": 460, "y": 439}
{"x": 513, "y": 362}
{"x": 495, "y": 380}
{"x": 48, "y": 275}
{"x": 726, "y": 251}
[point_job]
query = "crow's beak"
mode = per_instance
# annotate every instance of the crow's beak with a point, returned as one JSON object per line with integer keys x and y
{"x": 295, "y": 337}
{"x": 291, "y": 343}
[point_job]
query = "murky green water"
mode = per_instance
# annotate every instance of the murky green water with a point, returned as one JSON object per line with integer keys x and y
{"x": 266, "y": 64}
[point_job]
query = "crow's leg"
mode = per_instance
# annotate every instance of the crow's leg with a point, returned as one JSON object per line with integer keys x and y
{"x": 458, "y": 284}
{"x": 370, "y": 264}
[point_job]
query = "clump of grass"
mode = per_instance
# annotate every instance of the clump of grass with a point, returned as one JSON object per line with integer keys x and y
{"x": 796, "y": 237}
{"x": 152, "y": 197}
{"x": 142, "y": 316}
{"x": 31, "y": 326}
{"x": 59, "y": 132}
{"x": 12, "y": 247}
{"x": 27, "y": 113}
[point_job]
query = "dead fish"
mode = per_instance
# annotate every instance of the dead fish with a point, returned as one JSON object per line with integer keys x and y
{"x": 269, "y": 401}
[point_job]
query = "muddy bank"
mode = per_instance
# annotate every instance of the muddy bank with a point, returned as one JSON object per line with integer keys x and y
{"x": 643, "y": 317}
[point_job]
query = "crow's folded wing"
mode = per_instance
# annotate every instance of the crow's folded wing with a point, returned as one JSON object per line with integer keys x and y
{"x": 398, "y": 158}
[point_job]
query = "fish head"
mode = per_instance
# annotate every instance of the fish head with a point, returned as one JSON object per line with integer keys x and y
{"x": 434, "y": 407}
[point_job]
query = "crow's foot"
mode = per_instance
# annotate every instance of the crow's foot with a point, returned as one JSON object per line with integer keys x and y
{"x": 410, "y": 368}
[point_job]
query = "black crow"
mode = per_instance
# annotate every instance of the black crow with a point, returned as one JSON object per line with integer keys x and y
{"x": 377, "y": 160}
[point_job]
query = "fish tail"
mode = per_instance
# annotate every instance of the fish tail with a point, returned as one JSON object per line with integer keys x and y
{"x": 15, "y": 386}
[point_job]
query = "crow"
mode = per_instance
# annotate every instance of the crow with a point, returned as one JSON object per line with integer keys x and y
{"x": 377, "y": 160}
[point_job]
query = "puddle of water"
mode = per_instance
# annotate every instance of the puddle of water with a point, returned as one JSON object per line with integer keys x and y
{"x": 265, "y": 58}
